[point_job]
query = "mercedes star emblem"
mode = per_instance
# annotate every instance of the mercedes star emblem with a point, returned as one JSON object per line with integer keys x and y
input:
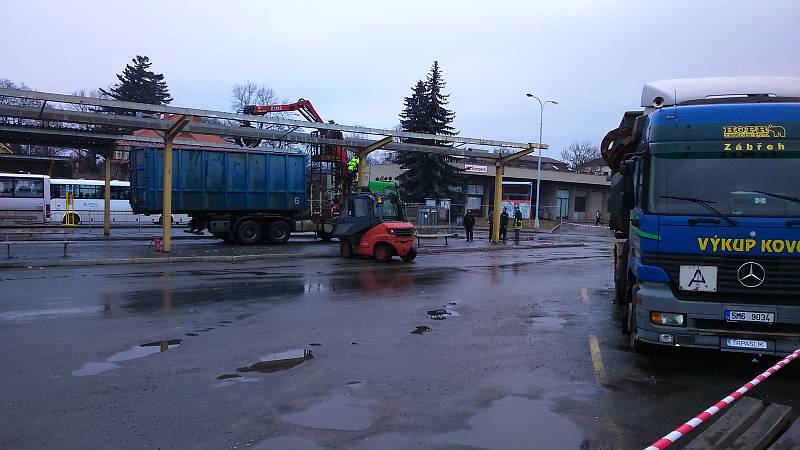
{"x": 751, "y": 274}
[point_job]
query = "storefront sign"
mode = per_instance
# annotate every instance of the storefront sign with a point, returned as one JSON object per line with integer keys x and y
{"x": 473, "y": 168}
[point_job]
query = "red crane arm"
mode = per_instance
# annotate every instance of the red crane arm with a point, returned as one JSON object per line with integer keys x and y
{"x": 303, "y": 106}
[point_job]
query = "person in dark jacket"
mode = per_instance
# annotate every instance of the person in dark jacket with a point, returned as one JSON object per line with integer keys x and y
{"x": 491, "y": 223}
{"x": 504, "y": 225}
{"x": 469, "y": 224}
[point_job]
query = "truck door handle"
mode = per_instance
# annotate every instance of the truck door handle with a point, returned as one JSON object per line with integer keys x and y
{"x": 696, "y": 221}
{"x": 792, "y": 222}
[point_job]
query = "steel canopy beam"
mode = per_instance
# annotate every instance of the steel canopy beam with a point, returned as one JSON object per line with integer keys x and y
{"x": 90, "y": 101}
{"x": 61, "y": 115}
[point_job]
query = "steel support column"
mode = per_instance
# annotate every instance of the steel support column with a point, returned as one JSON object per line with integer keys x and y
{"x": 500, "y": 166}
{"x": 108, "y": 155}
{"x": 362, "y": 159}
{"x": 166, "y": 210}
{"x": 498, "y": 195}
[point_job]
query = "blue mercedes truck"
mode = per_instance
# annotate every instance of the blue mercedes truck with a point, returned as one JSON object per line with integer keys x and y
{"x": 705, "y": 205}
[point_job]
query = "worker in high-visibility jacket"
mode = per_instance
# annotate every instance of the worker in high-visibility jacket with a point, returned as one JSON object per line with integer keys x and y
{"x": 517, "y": 224}
{"x": 352, "y": 167}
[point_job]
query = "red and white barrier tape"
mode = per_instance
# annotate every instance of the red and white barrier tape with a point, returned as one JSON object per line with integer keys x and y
{"x": 681, "y": 431}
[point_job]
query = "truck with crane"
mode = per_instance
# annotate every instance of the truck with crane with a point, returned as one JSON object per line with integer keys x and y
{"x": 705, "y": 205}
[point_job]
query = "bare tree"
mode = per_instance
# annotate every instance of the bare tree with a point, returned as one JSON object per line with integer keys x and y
{"x": 578, "y": 154}
{"x": 249, "y": 93}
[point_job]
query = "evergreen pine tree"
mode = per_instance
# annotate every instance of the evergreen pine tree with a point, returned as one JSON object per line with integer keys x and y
{"x": 427, "y": 174}
{"x": 138, "y": 83}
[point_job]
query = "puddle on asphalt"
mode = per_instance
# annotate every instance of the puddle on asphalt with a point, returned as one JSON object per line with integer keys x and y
{"x": 442, "y": 313}
{"x": 335, "y": 414}
{"x": 231, "y": 381}
{"x": 517, "y": 423}
{"x": 136, "y": 352}
{"x": 548, "y": 322}
{"x": 354, "y": 383}
{"x": 279, "y": 361}
{"x": 421, "y": 329}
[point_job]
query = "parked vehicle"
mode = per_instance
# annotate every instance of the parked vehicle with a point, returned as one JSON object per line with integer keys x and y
{"x": 90, "y": 202}
{"x": 243, "y": 196}
{"x": 706, "y": 207}
{"x": 24, "y": 199}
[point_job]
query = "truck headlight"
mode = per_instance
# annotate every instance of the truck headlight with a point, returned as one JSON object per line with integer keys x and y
{"x": 390, "y": 230}
{"x": 668, "y": 319}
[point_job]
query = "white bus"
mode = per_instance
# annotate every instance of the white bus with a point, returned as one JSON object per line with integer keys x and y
{"x": 24, "y": 199}
{"x": 90, "y": 204}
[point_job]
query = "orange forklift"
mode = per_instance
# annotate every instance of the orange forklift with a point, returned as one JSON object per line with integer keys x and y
{"x": 372, "y": 223}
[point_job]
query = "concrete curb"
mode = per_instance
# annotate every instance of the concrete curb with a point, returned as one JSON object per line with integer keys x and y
{"x": 242, "y": 258}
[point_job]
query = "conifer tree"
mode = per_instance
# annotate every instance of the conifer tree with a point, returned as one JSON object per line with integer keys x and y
{"x": 137, "y": 83}
{"x": 425, "y": 111}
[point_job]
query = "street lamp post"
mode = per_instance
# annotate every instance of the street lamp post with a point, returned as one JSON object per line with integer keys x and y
{"x": 539, "y": 159}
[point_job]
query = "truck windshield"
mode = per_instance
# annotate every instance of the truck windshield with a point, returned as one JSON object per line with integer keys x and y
{"x": 744, "y": 187}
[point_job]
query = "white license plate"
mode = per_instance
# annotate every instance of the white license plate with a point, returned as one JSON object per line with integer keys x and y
{"x": 698, "y": 278}
{"x": 746, "y": 343}
{"x": 749, "y": 316}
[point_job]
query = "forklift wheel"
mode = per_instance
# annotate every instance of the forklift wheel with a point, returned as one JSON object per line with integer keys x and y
{"x": 346, "y": 248}
{"x": 410, "y": 255}
{"x": 383, "y": 253}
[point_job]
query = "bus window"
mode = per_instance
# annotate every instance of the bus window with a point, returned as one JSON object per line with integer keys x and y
{"x": 6, "y": 187}
{"x": 120, "y": 193}
{"x": 89, "y": 192}
{"x": 29, "y": 188}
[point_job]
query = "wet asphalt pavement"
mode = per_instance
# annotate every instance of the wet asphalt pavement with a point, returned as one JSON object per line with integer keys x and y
{"x": 453, "y": 350}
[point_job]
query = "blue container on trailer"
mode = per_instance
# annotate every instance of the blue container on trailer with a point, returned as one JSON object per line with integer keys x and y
{"x": 219, "y": 181}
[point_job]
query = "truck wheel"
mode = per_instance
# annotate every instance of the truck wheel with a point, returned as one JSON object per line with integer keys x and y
{"x": 410, "y": 255}
{"x": 278, "y": 231}
{"x": 346, "y": 248}
{"x": 383, "y": 252}
{"x": 636, "y": 345}
{"x": 249, "y": 232}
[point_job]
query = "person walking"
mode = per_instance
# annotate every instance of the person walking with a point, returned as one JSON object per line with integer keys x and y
{"x": 469, "y": 224}
{"x": 598, "y": 218}
{"x": 504, "y": 225}
{"x": 491, "y": 223}
{"x": 517, "y": 224}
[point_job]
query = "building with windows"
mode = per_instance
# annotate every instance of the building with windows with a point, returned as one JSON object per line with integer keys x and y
{"x": 566, "y": 195}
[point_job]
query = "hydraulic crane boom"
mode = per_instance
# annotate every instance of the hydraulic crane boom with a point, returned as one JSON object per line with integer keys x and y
{"x": 302, "y": 106}
{"x": 332, "y": 156}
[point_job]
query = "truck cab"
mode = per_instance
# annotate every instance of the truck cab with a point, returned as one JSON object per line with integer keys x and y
{"x": 372, "y": 223}
{"x": 706, "y": 207}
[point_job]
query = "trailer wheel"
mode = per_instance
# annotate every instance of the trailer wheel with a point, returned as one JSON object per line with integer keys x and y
{"x": 346, "y": 248}
{"x": 249, "y": 232}
{"x": 278, "y": 231}
{"x": 383, "y": 252}
{"x": 410, "y": 255}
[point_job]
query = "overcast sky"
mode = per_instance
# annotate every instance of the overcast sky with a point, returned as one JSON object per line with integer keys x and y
{"x": 356, "y": 60}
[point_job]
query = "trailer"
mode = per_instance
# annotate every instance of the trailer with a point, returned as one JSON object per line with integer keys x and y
{"x": 245, "y": 196}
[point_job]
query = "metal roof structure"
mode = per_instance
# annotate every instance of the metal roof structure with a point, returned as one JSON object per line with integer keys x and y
{"x": 153, "y": 123}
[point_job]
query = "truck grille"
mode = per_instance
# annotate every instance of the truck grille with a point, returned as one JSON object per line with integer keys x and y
{"x": 781, "y": 285}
